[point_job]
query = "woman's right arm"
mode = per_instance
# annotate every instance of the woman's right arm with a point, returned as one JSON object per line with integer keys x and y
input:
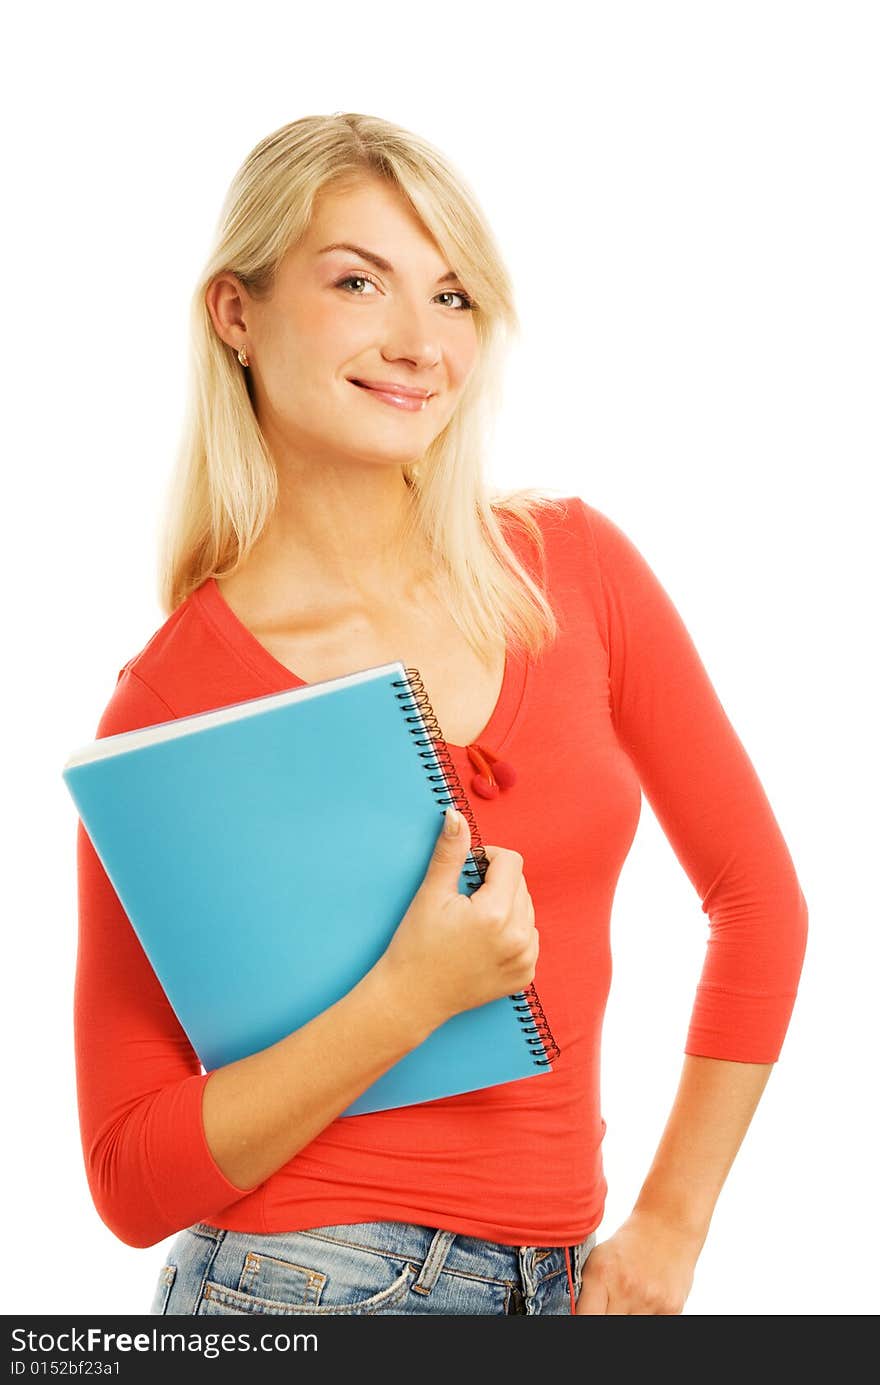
{"x": 166, "y": 1145}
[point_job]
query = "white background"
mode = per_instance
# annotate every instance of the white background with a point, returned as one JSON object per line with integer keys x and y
{"x": 686, "y": 196}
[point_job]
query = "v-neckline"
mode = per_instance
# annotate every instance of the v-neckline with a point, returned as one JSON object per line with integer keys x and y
{"x": 279, "y": 678}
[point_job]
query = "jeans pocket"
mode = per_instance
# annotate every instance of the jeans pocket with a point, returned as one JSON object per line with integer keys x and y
{"x": 163, "y": 1289}
{"x": 314, "y": 1276}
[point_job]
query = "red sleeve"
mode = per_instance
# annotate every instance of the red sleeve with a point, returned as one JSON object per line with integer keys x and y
{"x": 710, "y": 803}
{"x": 139, "y": 1082}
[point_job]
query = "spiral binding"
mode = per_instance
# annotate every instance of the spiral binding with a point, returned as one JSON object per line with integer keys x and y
{"x": 527, "y": 1006}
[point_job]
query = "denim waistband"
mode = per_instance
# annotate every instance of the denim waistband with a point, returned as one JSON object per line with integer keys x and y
{"x": 430, "y": 1248}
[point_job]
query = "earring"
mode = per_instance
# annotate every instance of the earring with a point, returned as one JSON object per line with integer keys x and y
{"x": 242, "y": 355}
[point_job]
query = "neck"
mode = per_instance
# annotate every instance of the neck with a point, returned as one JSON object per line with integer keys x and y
{"x": 345, "y": 529}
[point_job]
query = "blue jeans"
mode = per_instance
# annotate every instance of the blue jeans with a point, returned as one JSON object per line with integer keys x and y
{"x": 364, "y": 1267}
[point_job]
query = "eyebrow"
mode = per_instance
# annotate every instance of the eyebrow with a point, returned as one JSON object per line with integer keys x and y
{"x": 370, "y": 255}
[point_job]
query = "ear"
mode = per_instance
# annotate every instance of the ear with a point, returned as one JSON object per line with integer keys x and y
{"x": 226, "y": 301}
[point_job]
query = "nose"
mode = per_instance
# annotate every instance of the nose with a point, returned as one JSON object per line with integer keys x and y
{"x": 411, "y": 332}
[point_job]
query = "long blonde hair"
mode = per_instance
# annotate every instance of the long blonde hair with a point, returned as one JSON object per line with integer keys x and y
{"x": 224, "y": 486}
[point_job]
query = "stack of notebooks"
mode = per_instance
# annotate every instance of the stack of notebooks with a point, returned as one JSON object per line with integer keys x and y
{"x": 265, "y": 853}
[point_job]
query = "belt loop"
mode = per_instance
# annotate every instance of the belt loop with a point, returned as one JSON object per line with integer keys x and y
{"x": 580, "y": 1254}
{"x": 434, "y": 1262}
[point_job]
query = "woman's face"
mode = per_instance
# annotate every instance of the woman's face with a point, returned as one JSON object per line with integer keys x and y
{"x": 336, "y": 316}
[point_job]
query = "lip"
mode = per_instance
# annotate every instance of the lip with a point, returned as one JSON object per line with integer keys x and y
{"x": 391, "y": 387}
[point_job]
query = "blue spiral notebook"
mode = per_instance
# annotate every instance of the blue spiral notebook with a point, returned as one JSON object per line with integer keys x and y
{"x": 265, "y": 853}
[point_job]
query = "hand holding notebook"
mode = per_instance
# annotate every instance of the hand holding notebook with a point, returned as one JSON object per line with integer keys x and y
{"x": 451, "y": 951}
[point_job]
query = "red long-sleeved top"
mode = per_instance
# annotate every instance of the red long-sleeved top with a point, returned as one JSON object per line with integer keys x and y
{"x": 620, "y": 703}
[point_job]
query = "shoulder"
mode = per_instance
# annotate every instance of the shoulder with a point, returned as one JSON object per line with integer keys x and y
{"x": 555, "y": 516}
{"x": 570, "y": 528}
{"x": 536, "y": 520}
{"x": 132, "y": 704}
{"x": 590, "y": 552}
{"x": 147, "y": 685}
{"x": 615, "y": 554}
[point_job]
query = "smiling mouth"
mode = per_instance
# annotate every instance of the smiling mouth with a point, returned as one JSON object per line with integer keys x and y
{"x": 402, "y": 391}
{"x": 410, "y": 403}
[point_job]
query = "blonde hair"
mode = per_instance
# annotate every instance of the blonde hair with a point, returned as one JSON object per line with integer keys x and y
{"x": 224, "y": 485}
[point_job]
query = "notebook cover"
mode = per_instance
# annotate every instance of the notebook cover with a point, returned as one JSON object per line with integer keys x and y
{"x": 266, "y": 862}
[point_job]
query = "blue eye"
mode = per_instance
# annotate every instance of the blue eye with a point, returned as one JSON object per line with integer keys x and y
{"x": 468, "y": 304}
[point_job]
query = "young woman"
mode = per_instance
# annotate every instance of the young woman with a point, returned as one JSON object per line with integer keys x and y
{"x": 329, "y": 513}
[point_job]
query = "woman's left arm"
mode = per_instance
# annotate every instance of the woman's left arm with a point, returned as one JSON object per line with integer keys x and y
{"x": 711, "y": 805}
{"x": 647, "y": 1265}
